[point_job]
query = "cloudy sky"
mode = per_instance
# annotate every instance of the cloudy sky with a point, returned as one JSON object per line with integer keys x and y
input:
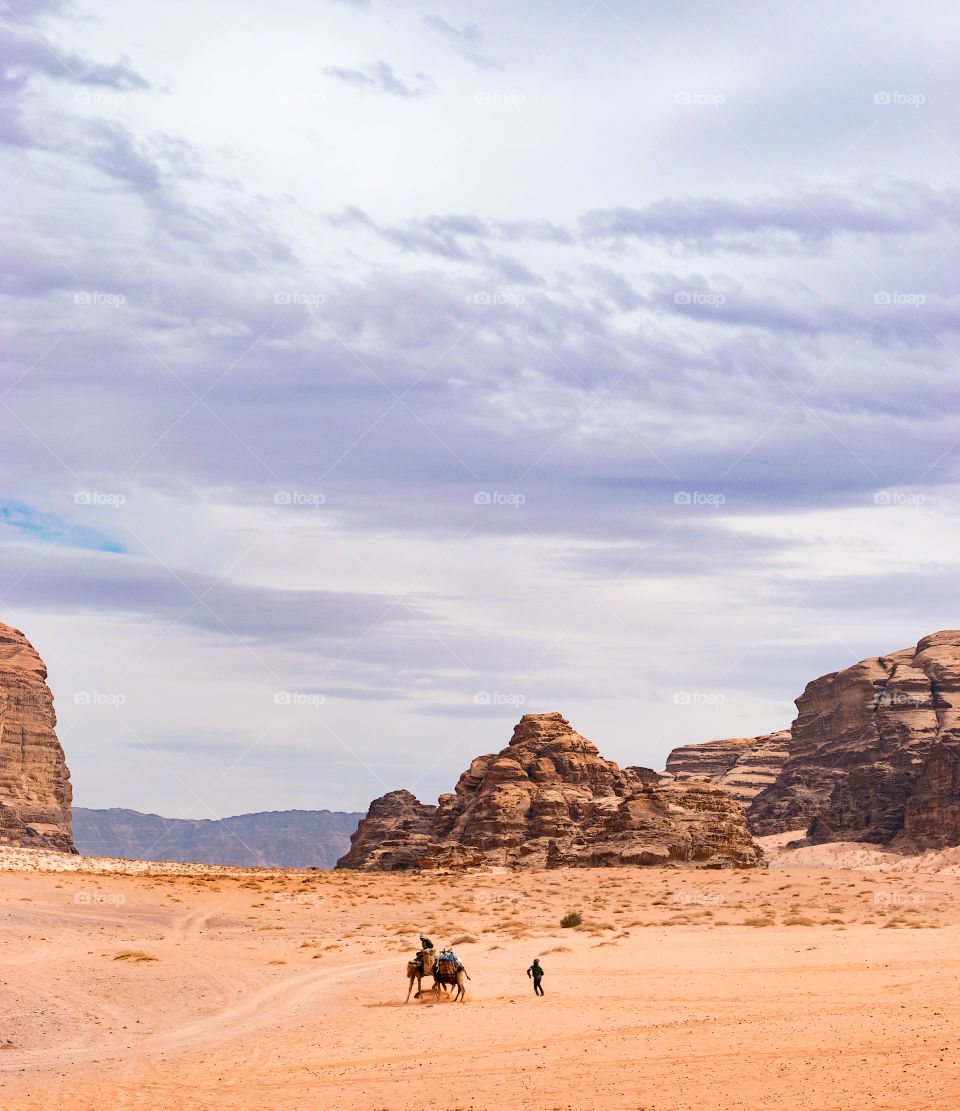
{"x": 373, "y": 373}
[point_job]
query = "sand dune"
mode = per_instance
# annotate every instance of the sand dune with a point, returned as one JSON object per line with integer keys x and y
{"x": 131, "y": 986}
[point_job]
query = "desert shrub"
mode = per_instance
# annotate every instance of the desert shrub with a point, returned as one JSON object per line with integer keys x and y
{"x": 464, "y": 939}
{"x": 134, "y": 955}
{"x": 798, "y": 920}
{"x": 573, "y": 918}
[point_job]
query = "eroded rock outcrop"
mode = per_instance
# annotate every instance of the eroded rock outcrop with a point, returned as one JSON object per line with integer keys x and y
{"x": 549, "y": 799}
{"x": 871, "y": 756}
{"x": 35, "y": 792}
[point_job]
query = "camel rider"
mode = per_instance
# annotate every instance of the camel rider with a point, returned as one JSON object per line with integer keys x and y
{"x": 425, "y": 942}
{"x": 536, "y": 972}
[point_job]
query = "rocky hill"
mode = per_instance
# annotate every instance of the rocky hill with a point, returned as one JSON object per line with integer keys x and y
{"x": 550, "y": 799}
{"x": 873, "y": 755}
{"x": 278, "y": 839}
{"x": 35, "y": 792}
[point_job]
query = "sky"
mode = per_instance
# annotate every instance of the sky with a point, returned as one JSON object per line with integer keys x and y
{"x": 372, "y": 374}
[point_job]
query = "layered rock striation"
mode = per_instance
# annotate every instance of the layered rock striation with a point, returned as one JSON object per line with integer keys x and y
{"x": 548, "y": 800}
{"x": 742, "y": 766}
{"x": 35, "y": 792}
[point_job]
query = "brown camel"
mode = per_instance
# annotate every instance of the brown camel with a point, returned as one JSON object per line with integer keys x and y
{"x": 416, "y": 971}
{"x": 458, "y": 978}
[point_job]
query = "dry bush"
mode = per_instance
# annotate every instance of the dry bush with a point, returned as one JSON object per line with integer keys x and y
{"x": 135, "y": 955}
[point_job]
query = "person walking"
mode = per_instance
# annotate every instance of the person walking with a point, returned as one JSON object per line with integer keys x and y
{"x": 536, "y": 973}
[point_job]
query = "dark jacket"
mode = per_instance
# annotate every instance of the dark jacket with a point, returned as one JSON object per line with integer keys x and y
{"x": 535, "y": 971}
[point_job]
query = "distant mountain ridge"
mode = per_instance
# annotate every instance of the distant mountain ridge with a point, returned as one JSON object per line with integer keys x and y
{"x": 272, "y": 839}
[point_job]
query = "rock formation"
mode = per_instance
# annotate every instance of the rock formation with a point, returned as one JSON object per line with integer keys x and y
{"x": 35, "y": 790}
{"x": 274, "y": 839}
{"x": 550, "y": 799}
{"x": 872, "y": 755}
{"x": 742, "y": 766}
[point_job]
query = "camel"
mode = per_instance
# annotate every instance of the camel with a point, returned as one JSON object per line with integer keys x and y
{"x": 441, "y": 981}
{"x": 416, "y": 971}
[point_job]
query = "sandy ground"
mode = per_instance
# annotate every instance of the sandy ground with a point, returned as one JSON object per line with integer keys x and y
{"x": 793, "y": 987}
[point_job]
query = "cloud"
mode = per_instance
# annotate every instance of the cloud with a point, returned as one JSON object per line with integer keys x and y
{"x": 466, "y": 40}
{"x": 381, "y": 78}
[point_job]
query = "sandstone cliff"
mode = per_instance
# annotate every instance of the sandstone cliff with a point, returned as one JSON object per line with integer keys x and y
{"x": 35, "y": 790}
{"x": 871, "y": 756}
{"x": 550, "y": 799}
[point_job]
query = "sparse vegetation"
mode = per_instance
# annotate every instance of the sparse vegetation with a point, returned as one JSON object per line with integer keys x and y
{"x": 571, "y": 919}
{"x": 135, "y": 955}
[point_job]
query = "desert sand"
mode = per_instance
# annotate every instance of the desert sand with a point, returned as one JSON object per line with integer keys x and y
{"x": 174, "y": 986}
